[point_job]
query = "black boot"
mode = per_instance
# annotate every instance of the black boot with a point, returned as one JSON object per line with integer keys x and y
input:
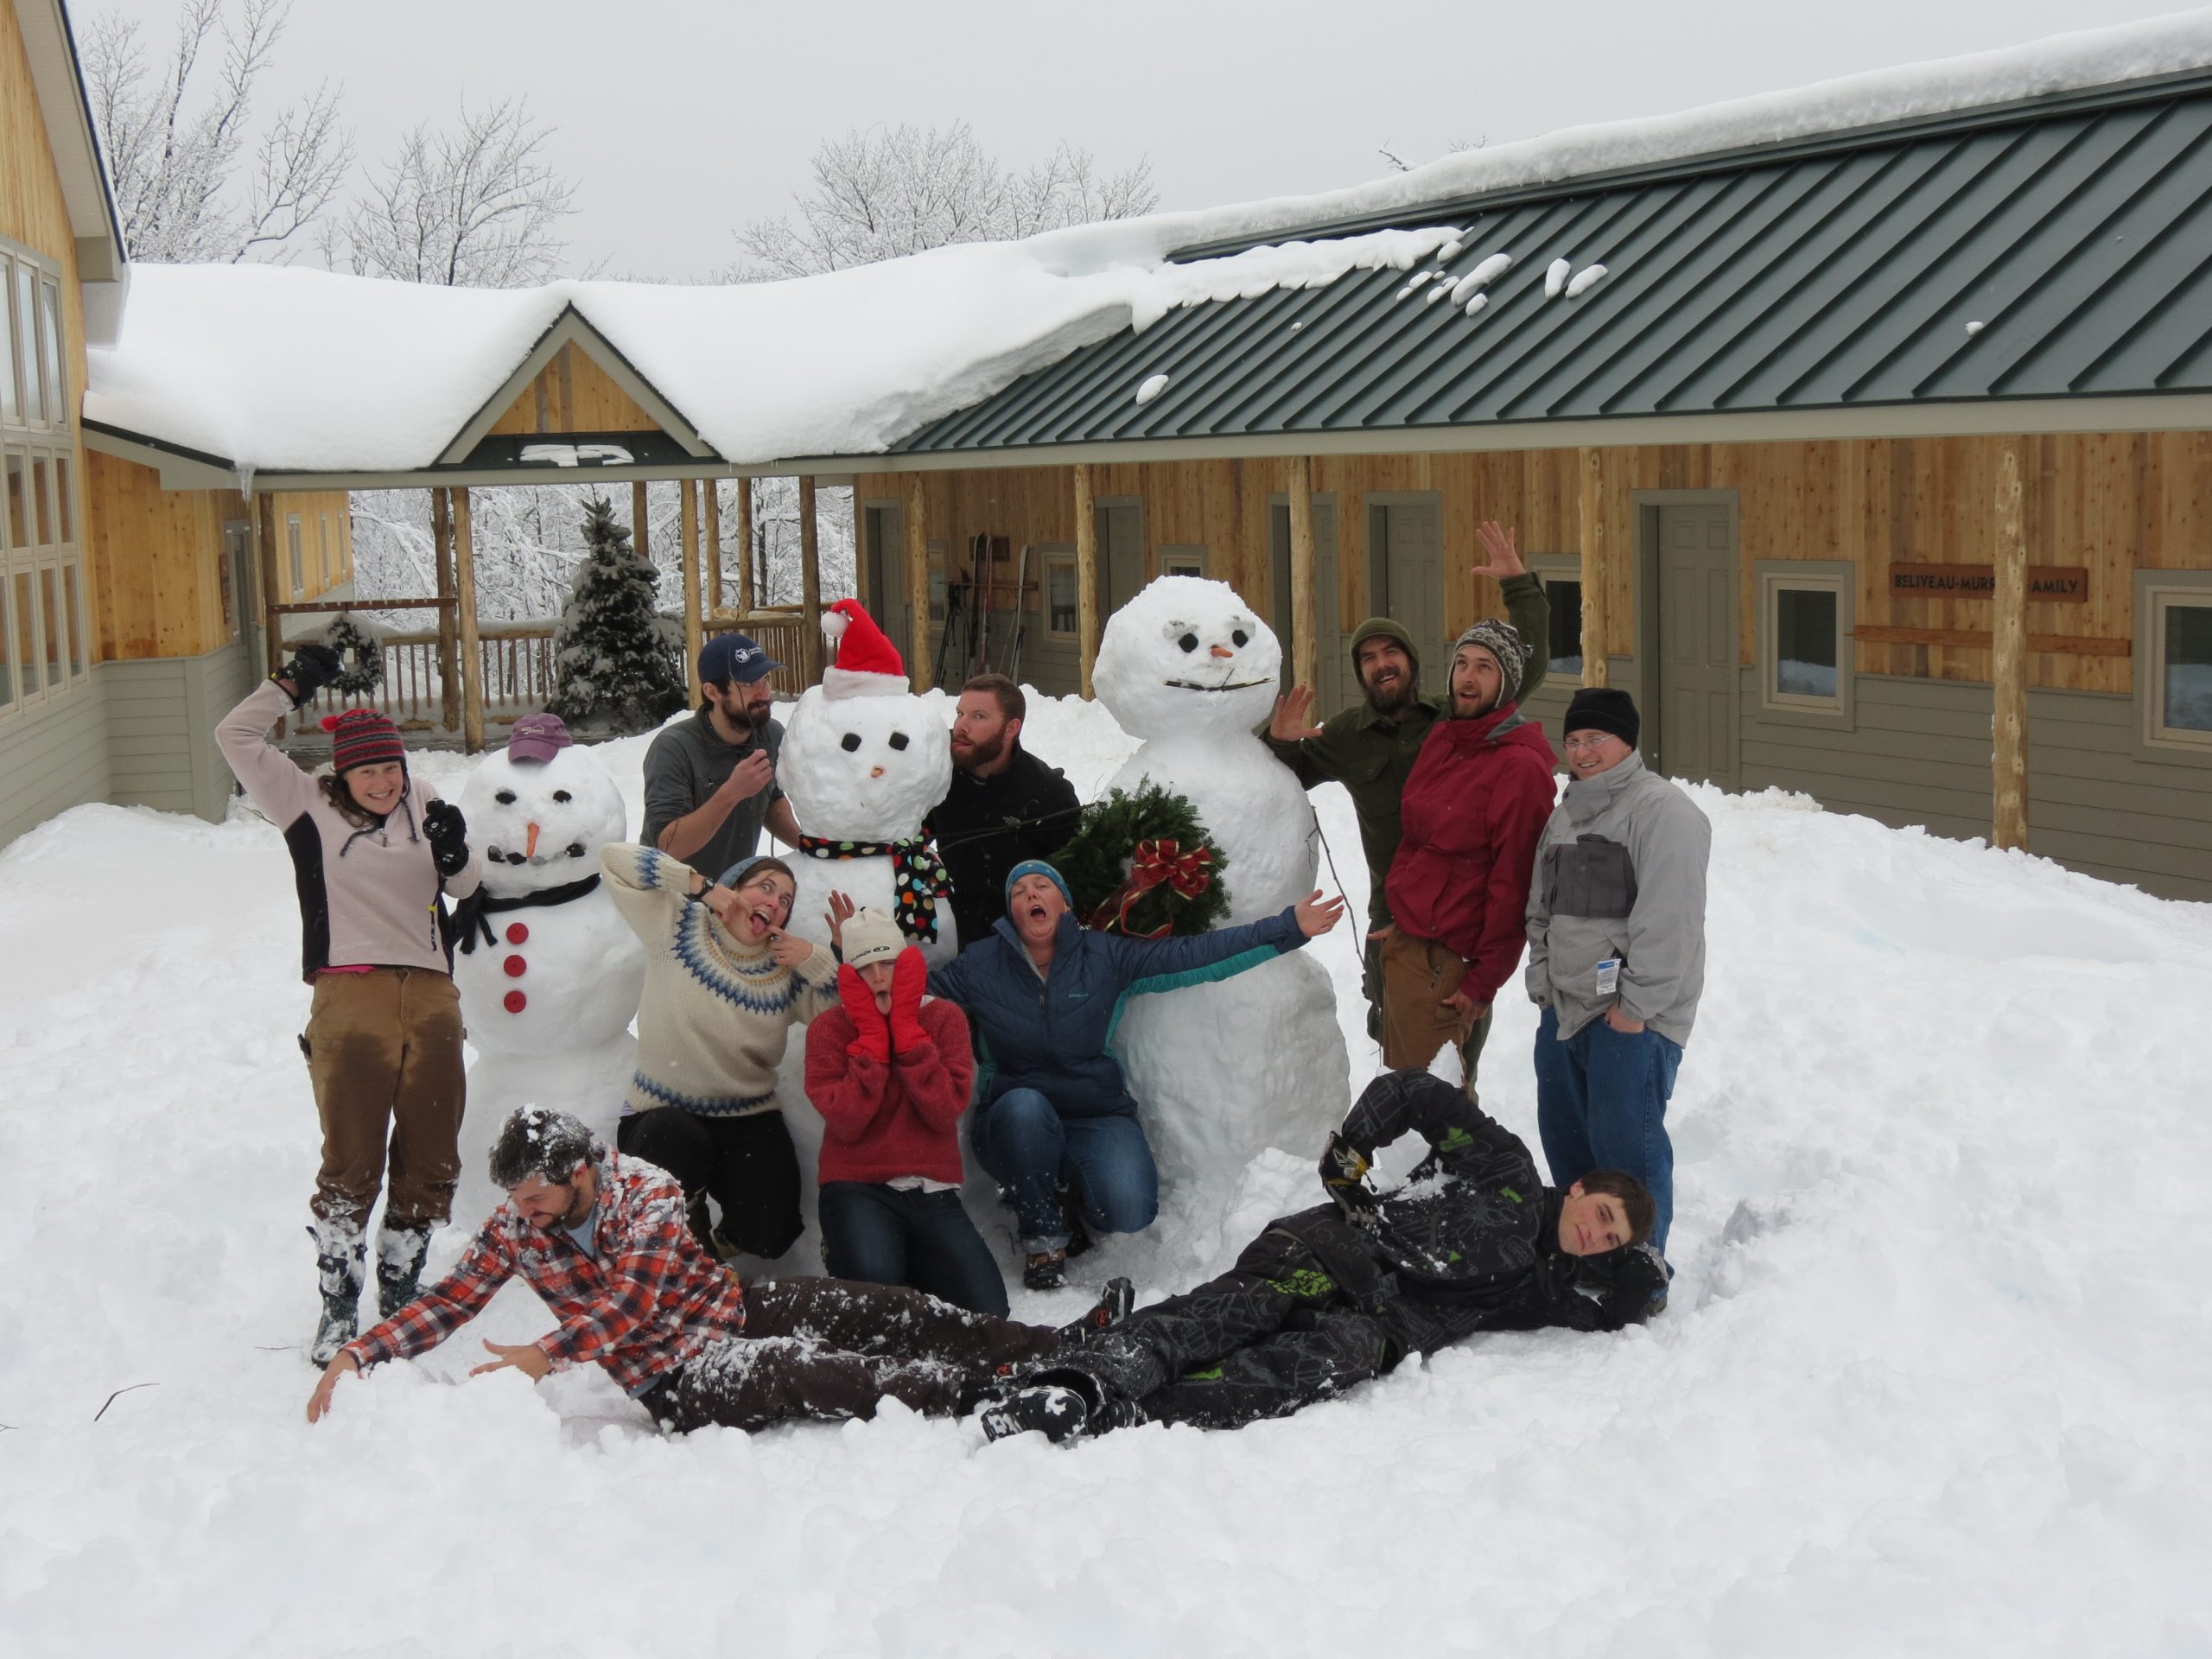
{"x": 1067, "y": 1408}
{"x": 1072, "y": 1212}
{"x": 1045, "y": 1270}
{"x": 1116, "y": 1303}
{"x": 341, "y": 1266}
{"x": 400, "y": 1249}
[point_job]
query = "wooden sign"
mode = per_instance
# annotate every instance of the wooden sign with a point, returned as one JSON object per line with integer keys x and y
{"x": 2065, "y": 584}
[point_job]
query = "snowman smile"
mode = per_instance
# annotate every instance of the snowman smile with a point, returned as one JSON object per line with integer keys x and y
{"x": 1227, "y": 685}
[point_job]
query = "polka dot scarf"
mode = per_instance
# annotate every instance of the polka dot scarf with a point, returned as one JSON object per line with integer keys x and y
{"x": 918, "y": 877}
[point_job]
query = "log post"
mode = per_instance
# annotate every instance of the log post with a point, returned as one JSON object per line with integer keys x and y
{"x": 919, "y": 667}
{"x": 264, "y": 570}
{"x": 448, "y": 652}
{"x": 1086, "y": 578}
{"x": 2008, "y": 668}
{"x": 712, "y": 490}
{"x": 472, "y": 651}
{"x": 1305, "y": 647}
{"x": 1595, "y": 630}
{"x": 810, "y": 580}
{"x": 640, "y": 532}
{"x": 695, "y": 634}
{"x": 744, "y": 595}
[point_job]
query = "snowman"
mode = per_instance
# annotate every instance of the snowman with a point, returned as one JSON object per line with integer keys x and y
{"x": 549, "y": 974}
{"x": 1222, "y": 1071}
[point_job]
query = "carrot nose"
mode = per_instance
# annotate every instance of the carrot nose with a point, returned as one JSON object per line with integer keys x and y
{"x": 529, "y": 847}
{"x": 875, "y": 772}
{"x": 1223, "y": 650}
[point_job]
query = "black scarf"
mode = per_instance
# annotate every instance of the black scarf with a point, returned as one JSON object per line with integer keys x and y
{"x": 469, "y": 914}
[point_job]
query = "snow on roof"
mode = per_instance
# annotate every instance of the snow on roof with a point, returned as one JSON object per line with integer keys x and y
{"x": 282, "y": 369}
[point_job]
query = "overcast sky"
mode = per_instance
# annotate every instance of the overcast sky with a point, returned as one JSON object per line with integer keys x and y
{"x": 681, "y": 119}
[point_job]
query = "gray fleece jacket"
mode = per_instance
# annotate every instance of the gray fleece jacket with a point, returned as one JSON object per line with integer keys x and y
{"x": 1620, "y": 875}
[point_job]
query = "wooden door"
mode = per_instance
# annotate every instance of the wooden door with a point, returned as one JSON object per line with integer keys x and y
{"x": 1697, "y": 590}
{"x": 1120, "y": 556}
{"x": 1405, "y": 555}
{"x": 885, "y": 557}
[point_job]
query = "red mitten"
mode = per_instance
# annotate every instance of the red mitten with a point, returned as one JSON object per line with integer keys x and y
{"x": 908, "y": 975}
{"x": 871, "y": 1034}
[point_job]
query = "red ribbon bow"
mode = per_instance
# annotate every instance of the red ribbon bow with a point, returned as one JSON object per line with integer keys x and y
{"x": 1155, "y": 863}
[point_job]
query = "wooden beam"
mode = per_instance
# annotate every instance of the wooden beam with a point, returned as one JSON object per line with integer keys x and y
{"x": 640, "y": 531}
{"x": 1305, "y": 660}
{"x": 1086, "y": 578}
{"x": 713, "y": 503}
{"x": 449, "y": 640}
{"x": 919, "y": 668}
{"x": 809, "y": 579}
{"x": 1594, "y": 620}
{"x": 687, "y": 519}
{"x": 2056, "y": 644}
{"x": 261, "y": 515}
{"x": 2009, "y": 661}
{"x": 745, "y": 595}
{"x": 472, "y": 653}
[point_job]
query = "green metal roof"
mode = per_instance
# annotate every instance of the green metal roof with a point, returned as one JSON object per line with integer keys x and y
{"x": 2062, "y": 249}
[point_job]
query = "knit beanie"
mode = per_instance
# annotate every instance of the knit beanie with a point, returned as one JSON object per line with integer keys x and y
{"x": 1502, "y": 641}
{"x": 1602, "y": 708}
{"x": 1382, "y": 627}
{"x": 362, "y": 737}
{"x": 1038, "y": 866}
{"x": 870, "y": 935}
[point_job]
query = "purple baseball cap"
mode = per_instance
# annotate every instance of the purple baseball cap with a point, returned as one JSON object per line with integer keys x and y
{"x": 537, "y": 737}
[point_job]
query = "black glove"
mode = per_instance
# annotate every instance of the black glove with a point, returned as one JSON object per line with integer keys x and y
{"x": 1343, "y": 1170}
{"x": 312, "y": 667}
{"x": 1619, "y": 1288}
{"x": 448, "y": 836}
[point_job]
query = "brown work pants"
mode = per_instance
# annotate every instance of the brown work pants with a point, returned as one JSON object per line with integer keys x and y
{"x": 383, "y": 1053}
{"x": 1417, "y": 976}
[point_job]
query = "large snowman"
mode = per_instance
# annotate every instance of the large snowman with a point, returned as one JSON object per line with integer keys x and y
{"x": 549, "y": 972}
{"x": 1222, "y": 1071}
{"x": 863, "y": 761}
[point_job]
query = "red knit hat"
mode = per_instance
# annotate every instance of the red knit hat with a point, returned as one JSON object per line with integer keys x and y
{"x": 868, "y": 665}
{"x": 362, "y": 737}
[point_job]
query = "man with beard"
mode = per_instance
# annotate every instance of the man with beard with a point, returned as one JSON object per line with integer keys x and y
{"x": 1370, "y": 748}
{"x": 1004, "y": 808}
{"x": 710, "y": 781}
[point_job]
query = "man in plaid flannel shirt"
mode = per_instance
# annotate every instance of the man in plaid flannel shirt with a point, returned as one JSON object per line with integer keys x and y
{"x": 605, "y": 1240}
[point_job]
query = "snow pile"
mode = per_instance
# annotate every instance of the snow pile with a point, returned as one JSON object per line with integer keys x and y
{"x": 1934, "y": 1379}
{"x": 270, "y": 368}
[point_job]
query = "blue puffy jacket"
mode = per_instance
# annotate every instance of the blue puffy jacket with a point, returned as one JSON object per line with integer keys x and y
{"x": 1055, "y": 1033}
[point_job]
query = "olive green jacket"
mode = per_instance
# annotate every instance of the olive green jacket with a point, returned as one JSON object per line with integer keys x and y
{"x": 1372, "y": 756}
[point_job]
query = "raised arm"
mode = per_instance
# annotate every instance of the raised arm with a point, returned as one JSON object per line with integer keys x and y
{"x": 442, "y": 1309}
{"x": 1465, "y": 1140}
{"x": 1148, "y": 965}
{"x": 278, "y": 787}
{"x": 648, "y": 887}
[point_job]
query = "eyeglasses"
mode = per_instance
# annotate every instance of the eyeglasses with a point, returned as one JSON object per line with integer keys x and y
{"x": 1590, "y": 740}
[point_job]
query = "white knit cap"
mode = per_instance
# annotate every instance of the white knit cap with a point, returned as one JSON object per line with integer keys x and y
{"x": 871, "y": 935}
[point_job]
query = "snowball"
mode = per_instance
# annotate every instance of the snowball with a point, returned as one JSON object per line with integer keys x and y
{"x": 1975, "y": 328}
{"x": 1584, "y": 280}
{"x": 1153, "y": 385}
{"x": 1477, "y": 303}
{"x": 1555, "y": 276}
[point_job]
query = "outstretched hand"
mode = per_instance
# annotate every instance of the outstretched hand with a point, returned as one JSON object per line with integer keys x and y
{"x": 318, "y": 1402}
{"x": 1504, "y": 557}
{"x": 1293, "y": 715}
{"x": 1316, "y": 915}
{"x": 526, "y": 1357}
{"x": 840, "y": 911}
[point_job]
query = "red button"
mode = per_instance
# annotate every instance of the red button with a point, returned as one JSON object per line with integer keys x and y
{"x": 514, "y": 965}
{"x": 516, "y": 933}
{"x": 517, "y": 1002}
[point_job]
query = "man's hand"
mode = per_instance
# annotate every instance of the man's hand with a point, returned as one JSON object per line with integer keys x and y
{"x": 341, "y": 1364}
{"x": 1627, "y": 1024}
{"x": 1344, "y": 1177}
{"x": 747, "y": 778}
{"x": 1294, "y": 716}
{"x": 526, "y": 1358}
{"x": 1504, "y": 557}
{"x": 787, "y": 949}
{"x": 1465, "y": 1007}
{"x": 840, "y": 911}
{"x": 1316, "y": 916}
{"x": 1389, "y": 931}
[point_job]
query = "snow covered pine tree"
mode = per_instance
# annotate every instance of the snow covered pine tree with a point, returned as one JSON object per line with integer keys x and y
{"x": 616, "y": 666}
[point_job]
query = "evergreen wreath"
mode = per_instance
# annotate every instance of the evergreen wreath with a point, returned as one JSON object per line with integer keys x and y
{"x": 360, "y": 652}
{"x": 1143, "y": 865}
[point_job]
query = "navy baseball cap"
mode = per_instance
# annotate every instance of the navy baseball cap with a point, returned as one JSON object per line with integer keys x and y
{"x": 733, "y": 657}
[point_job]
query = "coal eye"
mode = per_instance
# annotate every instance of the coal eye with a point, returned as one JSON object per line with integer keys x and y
{"x": 576, "y": 849}
{"x": 1240, "y": 637}
{"x": 1189, "y": 642}
{"x": 505, "y": 798}
{"x": 564, "y": 797}
{"x": 898, "y": 740}
{"x": 850, "y": 741}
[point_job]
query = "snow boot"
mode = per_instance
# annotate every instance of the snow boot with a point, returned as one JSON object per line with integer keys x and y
{"x": 341, "y": 1268}
{"x": 1068, "y": 1408}
{"x": 1116, "y": 1303}
{"x": 1045, "y": 1270}
{"x": 1072, "y": 1212}
{"x": 401, "y": 1246}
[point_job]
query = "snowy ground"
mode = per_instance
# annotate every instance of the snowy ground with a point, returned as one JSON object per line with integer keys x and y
{"x": 1934, "y": 1380}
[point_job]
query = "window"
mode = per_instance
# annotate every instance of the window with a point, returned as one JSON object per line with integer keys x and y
{"x": 1061, "y": 620}
{"x": 1805, "y": 637}
{"x": 1182, "y": 561}
{"x": 322, "y": 549}
{"x": 27, "y": 344}
{"x": 11, "y": 397}
{"x": 44, "y": 643}
{"x": 57, "y": 369}
{"x": 1561, "y": 574}
{"x": 299, "y": 555}
{"x": 2174, "y": 616}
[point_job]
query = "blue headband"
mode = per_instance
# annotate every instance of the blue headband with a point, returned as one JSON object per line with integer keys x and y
{"x": 1038, "y": 866}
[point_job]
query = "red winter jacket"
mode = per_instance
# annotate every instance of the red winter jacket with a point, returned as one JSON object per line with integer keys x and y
{"x": 882, "y": 1121}
{"x": 1474, "y": 810}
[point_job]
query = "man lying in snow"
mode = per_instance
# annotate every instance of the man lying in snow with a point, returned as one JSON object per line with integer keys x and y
{"x": 604, "y": 1240}
{"x": 1336, "y": 1295}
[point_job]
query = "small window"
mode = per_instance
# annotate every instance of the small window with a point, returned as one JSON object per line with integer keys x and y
{"x": 1061, "y": 618}
{"x": 1804, "y": 637}
{"x": 299, "y": 555}
{"x": 27, "y": 344}
{"x": 43, "y": 499}
{"x": 1561, "y": 574}
{"x": 1182, "y": 561}
{"x": 11, "y": 400}
{"x": 2177, "y": 620}
{"x": 49, "y": 592}
{"x": 322, "y": 548}
{"x": 26, "y": 654}
{"x": 74, "y": 618}
{"x": 8, "y": 657}
{"x": 237, "y": 543}
{"x": 18, "y": 530}
{"x": 57, "y": 370}
{"x": 64, "y": 508}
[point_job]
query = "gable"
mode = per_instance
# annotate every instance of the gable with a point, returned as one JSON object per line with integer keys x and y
{"x": 573, "y": 394}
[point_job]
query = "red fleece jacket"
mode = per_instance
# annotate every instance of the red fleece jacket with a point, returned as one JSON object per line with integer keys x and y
{"x": 1474, "y": 809}
{"x": 882, "y": 1121}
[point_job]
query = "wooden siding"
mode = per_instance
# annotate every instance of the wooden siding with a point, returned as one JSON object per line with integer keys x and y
{"x": 161, "y": 726}
{"x": 32, "y": 208}
{"x": 573, "y": 394}
{"x": 52, "y": 757}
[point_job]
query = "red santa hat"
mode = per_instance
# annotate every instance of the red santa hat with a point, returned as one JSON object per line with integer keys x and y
{"x": 868, "y": 665}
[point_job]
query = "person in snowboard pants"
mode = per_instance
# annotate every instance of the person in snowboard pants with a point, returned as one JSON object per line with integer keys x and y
{"x": 604, "y": 1240}
{"x": 372, "y": 852}
{"x": 1334, "y": 1296}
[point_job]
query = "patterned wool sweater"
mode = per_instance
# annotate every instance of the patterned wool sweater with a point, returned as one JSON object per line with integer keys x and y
{"x": 715, "y": 1014}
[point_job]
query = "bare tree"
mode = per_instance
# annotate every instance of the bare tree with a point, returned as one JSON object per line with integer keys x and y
{"x": 1400, "y": 164}
{"x": 475, "y": 206}
{"x": 174, "y": 157}
{"x": 886, "y": 192}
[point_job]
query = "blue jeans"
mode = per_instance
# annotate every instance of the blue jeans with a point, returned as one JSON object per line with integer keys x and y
{"x": 883, "y": 1235}
{"x": 1028, "y": 1149}
{"x": 1601, "y": 1103}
